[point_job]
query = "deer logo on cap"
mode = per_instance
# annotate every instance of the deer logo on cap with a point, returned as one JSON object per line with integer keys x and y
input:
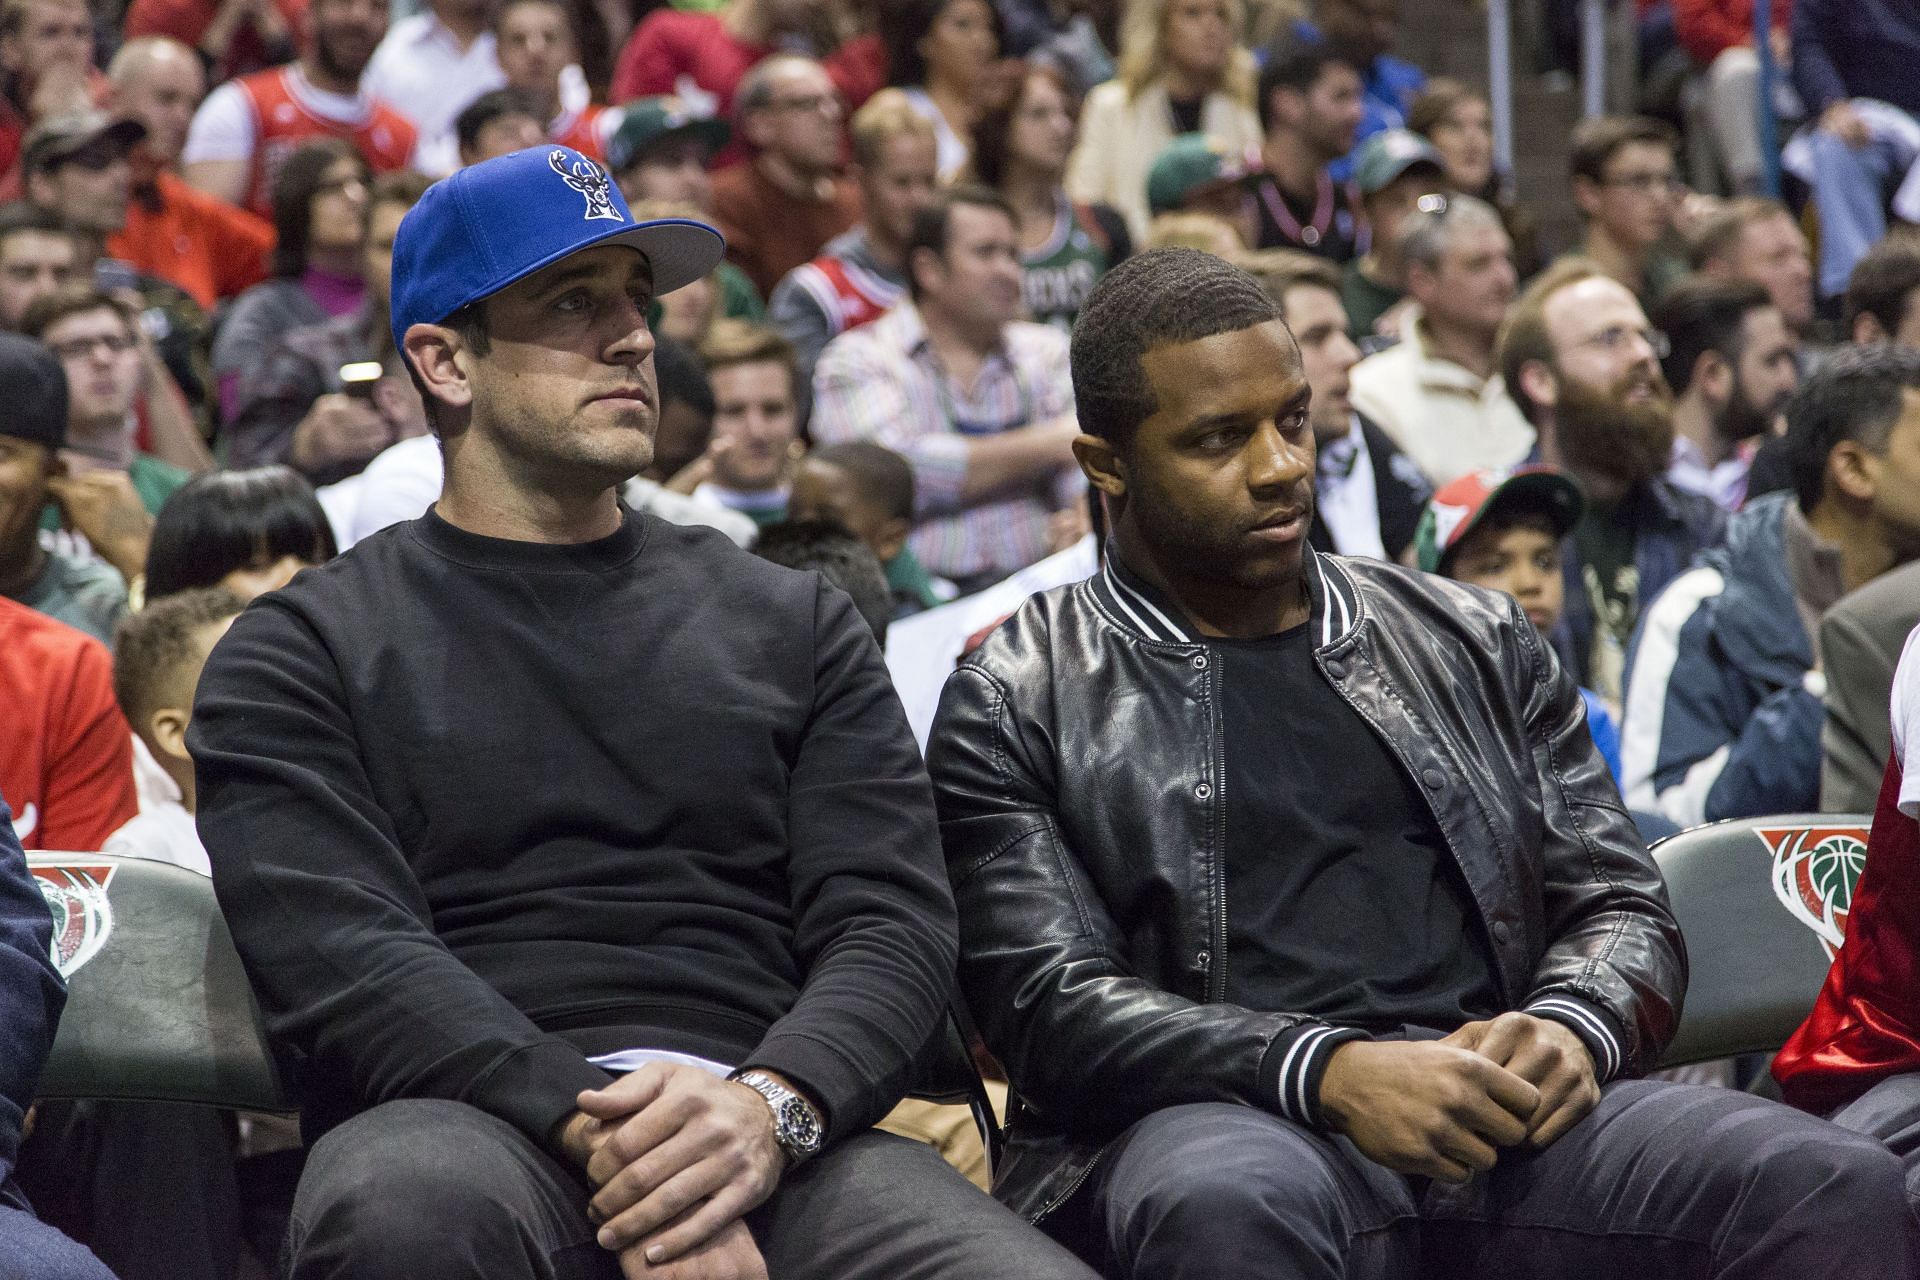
{"x": 590, "y": 180}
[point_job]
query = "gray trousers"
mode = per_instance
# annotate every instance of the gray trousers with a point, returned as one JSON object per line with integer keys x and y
{"x": 1661, "y": 1180}
{"x": 432, "y": 1190}
{"x": 1890, "y": 1112}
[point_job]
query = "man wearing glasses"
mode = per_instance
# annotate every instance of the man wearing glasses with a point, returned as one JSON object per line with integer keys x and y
{"x": 778, "y": 210}
{"x": 1583, "y": 365}
{"x": 1627, "y": 190}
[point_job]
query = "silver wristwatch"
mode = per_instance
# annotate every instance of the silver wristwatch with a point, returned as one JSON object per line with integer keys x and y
{"x": 796, "y": 1125}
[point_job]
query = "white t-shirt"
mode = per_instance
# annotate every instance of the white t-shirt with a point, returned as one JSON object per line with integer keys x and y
{"x": 421, "y": 71}
{"x": 1906, "y": 724}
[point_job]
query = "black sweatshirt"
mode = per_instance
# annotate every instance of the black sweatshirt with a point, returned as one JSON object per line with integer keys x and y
{"x": 480, "y": 809}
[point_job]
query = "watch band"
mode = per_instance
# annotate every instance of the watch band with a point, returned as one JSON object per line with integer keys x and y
{"x": 796, "y": 1123}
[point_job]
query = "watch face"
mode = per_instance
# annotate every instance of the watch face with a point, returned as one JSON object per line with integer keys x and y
{"x": 798, "y": 1126}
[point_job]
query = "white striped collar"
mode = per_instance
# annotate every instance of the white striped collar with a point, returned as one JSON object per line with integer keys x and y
{"x": 1334, "y": 603}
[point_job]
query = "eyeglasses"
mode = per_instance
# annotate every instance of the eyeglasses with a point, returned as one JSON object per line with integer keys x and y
{"x": 1615, "y": 339}
{"x": 812, "y": 102}
{"x": 80, "y": 348}
{"x": 1647, "y": 184}
{"x": 341, "y": 186}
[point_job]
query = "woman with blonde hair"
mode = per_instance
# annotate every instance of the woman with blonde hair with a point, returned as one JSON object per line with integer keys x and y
{"x": 1182, "y": 70}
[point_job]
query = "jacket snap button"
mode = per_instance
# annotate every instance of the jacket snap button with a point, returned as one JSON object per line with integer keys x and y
{"x": 1501, "y": 933}
{"x": 1202, "y": 790}
{"x": 1433, "y": 778}
{"x": 1336, "y": 669}
{"x": 1199, "y": 662}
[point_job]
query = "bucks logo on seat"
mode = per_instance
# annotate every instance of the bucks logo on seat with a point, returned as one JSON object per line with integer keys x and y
{"x": 1814, "y": 872}
{"x": 76, "y": 893}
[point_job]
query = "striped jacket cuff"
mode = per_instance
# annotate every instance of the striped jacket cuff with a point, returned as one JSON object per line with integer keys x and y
{"x": 1592, "y": 1024}
{"x": 1291, "y": 1070}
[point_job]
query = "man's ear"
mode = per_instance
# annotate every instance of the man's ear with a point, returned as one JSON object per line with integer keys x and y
{"x": 438, "y": 355}
{"x": 1868, "y": 329}
{"x": 1540, "y": 384}
{"x": 1586, "y": 195}
{"x": 169, "y": 729}
{"x": 38, "y": 189}
{"x": 1853, "y": 471}
{"x": 1713, "y": 374}
{"x": 1102, "y": 464}
{"x": 892, "y": 537}
{"x": 1422, "y": 283}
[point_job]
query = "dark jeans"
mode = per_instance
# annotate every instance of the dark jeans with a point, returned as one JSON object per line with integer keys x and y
{"x": 431, "y": 1190}
{"x": 1661, "y": 1180}
{"x": 1890, "y": 1112}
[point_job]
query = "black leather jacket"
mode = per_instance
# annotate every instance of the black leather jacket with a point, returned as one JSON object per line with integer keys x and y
{"x": 1078, "y": 762}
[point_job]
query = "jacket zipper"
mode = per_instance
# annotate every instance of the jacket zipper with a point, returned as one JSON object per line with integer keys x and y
{"x": 1216, "y": 972}
{"x": 1072, "y": 1187}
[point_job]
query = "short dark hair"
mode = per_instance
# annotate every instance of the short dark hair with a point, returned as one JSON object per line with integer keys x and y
{"x": 1154, "y": 299}
{"x": 18, "y": 216}
{"x": 1595, "y": 141}
{"x": 933, "y": 222}
{"x": 71, "y": 300}
{"x": 681, "y": 377}
{"x": 292, "y": 197}
{"x": 496, "y": 103}
{"x": 1855, "y": 395}
{"x": 905, "y": 23}
{"x": 882, "y": 476}
{"x": 1701, "y": 314}
{"x": 226, "y": 520}
{"x": 842, "y": 560}
{"x": 1882, "y": 283}
{"x": 1297, "y": 65}
{"x": 150, "y": 646}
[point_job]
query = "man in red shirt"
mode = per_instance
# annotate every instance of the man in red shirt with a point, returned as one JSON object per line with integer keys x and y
{"x": 46, "y": 69}
{"x": 247, "y": 128}
{"x": 207, "y": 247}
{"x": 778, "y": 210}
{"x": 236, "y": 37}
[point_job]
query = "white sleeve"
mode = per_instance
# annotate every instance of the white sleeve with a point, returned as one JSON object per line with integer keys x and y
{"x": 222, "y": 128}
{"x": 1906, "y": 724}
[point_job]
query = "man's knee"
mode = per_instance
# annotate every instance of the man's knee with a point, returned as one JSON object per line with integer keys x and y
{"x": 35, "y": 1251}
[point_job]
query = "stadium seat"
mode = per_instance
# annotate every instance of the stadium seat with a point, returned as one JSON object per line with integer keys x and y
{"x": 1763, "y": 904}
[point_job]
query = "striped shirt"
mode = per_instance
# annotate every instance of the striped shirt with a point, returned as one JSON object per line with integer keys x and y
{"x": 884, "y": 383}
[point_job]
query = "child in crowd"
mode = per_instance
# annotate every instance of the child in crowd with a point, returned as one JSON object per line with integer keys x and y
{"x": 1503, "y": 531}
{"x": 869, "y": 489}
{"x": 158, "y": 654}
{"x": 246, "y": 531}
{"x": 842, "y": 559}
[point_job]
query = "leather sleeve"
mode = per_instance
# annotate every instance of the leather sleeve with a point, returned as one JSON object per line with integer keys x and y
{"x": 1089, "y": 1046}
{"x": 1612, "y": 940}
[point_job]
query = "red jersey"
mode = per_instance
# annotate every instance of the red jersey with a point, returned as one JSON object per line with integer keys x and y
{"x": 847, "y": 294}
{"x": 581, "y": 131}
{"x": 66, "y": 753}
{"x": 282, "y": 121}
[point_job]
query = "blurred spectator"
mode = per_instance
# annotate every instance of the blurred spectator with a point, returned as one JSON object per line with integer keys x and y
{"x": 781, "y": 207}
{"x": 1627, "y": 189}
{"x": 1202, "y": 231}
{"x": 97, "y": 340}
{"x": 247, "y": 130}
{"x": 1731, "y": 364}
{"x": 1718, "y": 35}
{"x": 1583, "y": 365}
{"x": 1859, "y": 645}
{"x": 431, "y": 65}
{"x": 1182, "y": 70}
{"x": 538, "y": 50}
{"x": 862, "y": 272}
{"x": 1724, "y": 712}
{"x": 1393, "y": 169}
{"x": 659, "y": 150}
{"x": 1880, "y": 302}
{"x": 868, "y": 488}
{"x": 84, "y": 593}
{"x": 37, "y": 257}
{"x": 320, "y": 200}
{"x": 1363, "y": 32}
{"x": 207, "y": 247}
{"x": 1504, "y": 530}
{"x": 1757, "y": 239}
{"x": 1459, "y": 123}
{"x": 325, "y": 398}
{"x": 979, "y": 402}
{"x": 1021, "y": 151}
{"x": 709, "y": 54}
{"x": 1436, "y": 392}
{"x": 1853, "y": 64}
{"x": 941, "y": 54}
{"x": 1310, "y": 106}
{"x": 497, "y": 123}
{"x": 156, "y": 665}
{"x": 230, "y": 37}
{"x": 840, "y": 557}
{"x": 1367, "y": 494}
{"x": 756, "y": 420}
{"x": 46, "y": 69}
{"x": 1195, "y": 174}
{"x": 66, "y": 755}
{"x": 245, "y": 532}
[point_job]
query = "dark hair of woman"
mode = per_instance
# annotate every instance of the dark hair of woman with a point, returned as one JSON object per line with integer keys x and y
{"x": 905, "y": 23}
{"x": 294, "y": 187}
{"x": 227, "y": 520}
{"x": 993, "y": 134}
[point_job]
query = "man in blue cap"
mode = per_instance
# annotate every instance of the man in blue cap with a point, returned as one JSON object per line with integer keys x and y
{"x": 583, "y": 863}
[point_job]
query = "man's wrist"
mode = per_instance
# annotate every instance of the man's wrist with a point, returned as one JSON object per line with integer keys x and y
{"x": 798, "y": 1126}
{"x": 573, "y": 1136}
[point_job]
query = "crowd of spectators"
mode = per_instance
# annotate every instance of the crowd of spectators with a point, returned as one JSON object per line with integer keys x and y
{"x": 1687, "y": 439}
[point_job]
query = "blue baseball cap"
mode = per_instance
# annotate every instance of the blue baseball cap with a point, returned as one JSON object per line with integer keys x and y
{"x": 488, "y": 225}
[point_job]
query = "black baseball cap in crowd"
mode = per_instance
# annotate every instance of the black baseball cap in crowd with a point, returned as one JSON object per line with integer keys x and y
{"x": 36, "y": 402}
{"x": 1463, "y": 505}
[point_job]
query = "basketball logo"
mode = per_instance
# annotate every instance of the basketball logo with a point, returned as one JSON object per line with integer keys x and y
{"x": 76, "y": 894}
{"x": 1814, "y": 872}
